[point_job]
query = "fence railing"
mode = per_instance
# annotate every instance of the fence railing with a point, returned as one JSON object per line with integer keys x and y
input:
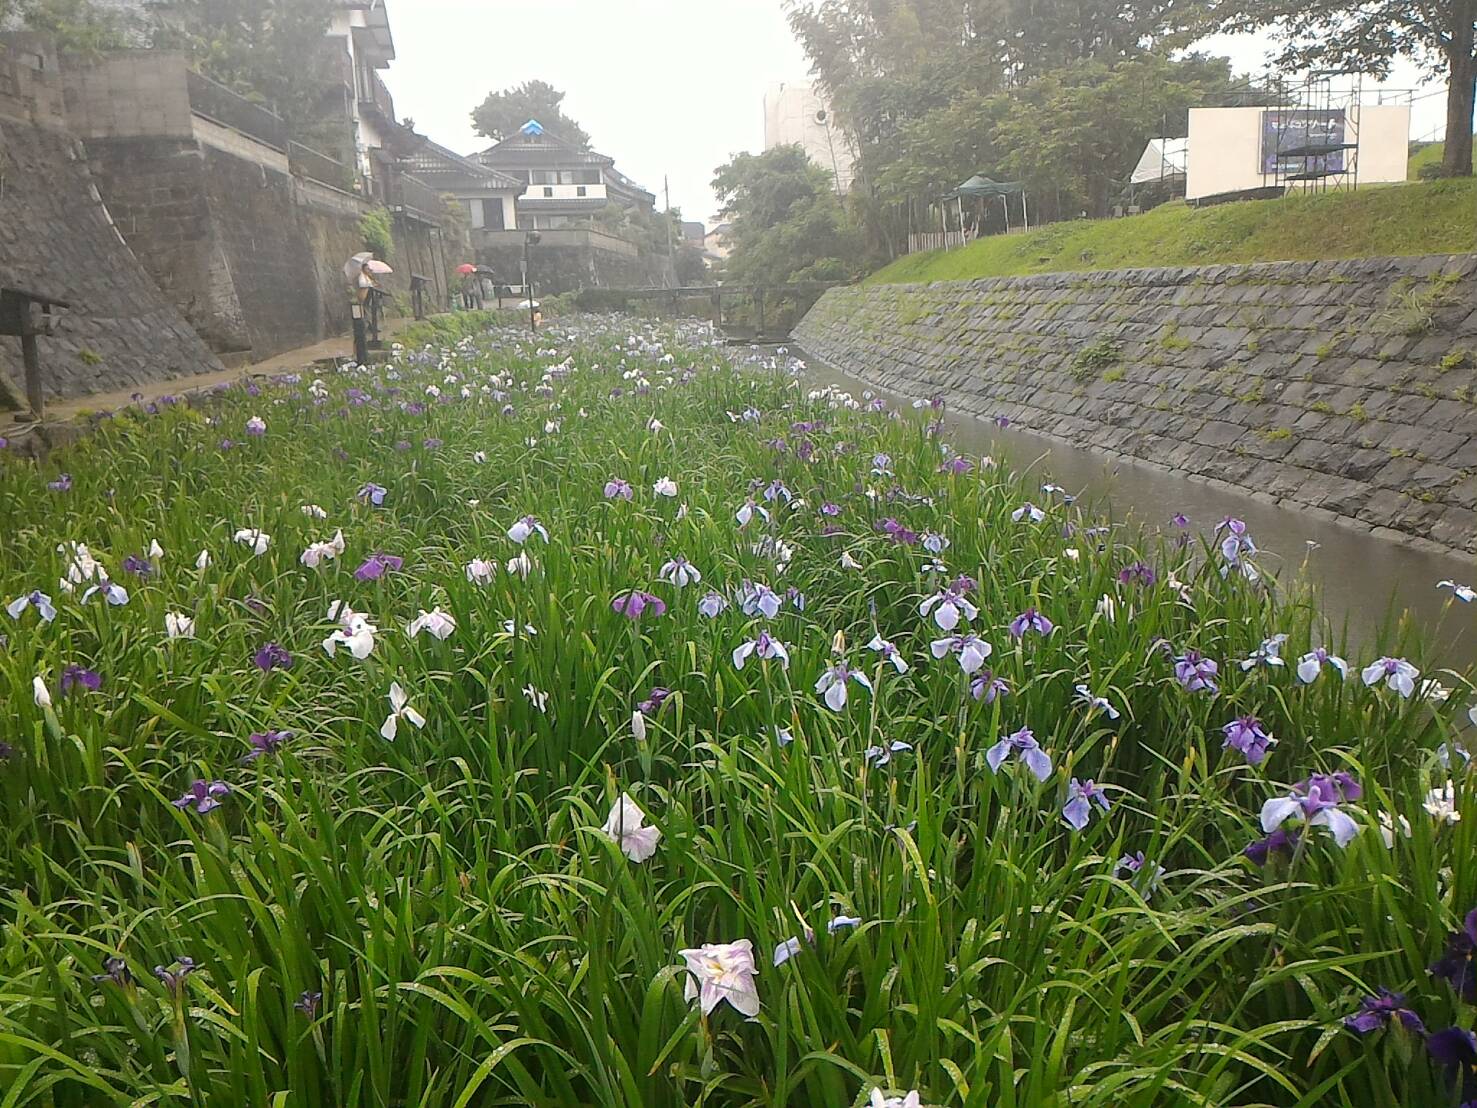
{"x": 413, "y": 193}
{"x": 919, "y": 241}
{"x": 373, "y": 91}
{"x": 220, "y": 105}
{"x": 307, "y": 162}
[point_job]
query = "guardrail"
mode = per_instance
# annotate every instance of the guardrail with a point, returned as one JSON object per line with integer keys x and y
{"x": 919, "y": 241}
{"x": 414, "y": 194}
{"x": 316, "y": 166}
{"x": 220, "y": 105}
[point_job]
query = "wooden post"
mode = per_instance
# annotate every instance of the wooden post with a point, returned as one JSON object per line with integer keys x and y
{"x": 759, "y": 299}
{"x": 32, "y": 359}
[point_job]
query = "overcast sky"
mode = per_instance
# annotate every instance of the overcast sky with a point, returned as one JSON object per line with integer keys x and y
{"x": 666, "y": 87}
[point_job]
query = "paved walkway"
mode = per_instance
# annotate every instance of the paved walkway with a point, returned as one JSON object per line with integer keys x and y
{"x": 62, "y": 411}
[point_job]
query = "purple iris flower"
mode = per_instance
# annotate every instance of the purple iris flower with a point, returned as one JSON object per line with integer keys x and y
{"x": 370, "y": 493}
{"x": 174, "y": 975}
{"x": 1081, "y": 795}
{"x": 203, "y": 796}
{"x": 137, "y": 565}
{"x": 308, "y": 1002}
{"x": 830, "y": 509}
{"x": 1280, "y": 841}
{"x": 711, "y": 604}
{"x": 1030, "y": 620}
{"x": 957, "y": 465}
{"x": 6, "y": 752}
{"x": 377, "y": 565}
{"x": 1196, "y": 672}
{"x": 74, "y": 677}
{"x": 1458, "y": 966}
{"x": 1377, "y": 1011}
{"x": 433, "y": 444}
{"x": 273, "y": 656}
{"x": 1179, "y": 519}
{"x": 62, "y": 484}
{"x": 1456, "y": 1049}
{"x": 1137, "y": 573}
{"x": 765, "y": 646}
{"x": 1002, "y": 422}
{"x": 985, "y": 686}
{"x": 634, "y": 603}
{"x": 1024, "y": 746}
{"x": 654, "y": 700}
{"x": 616, "y": 488}
{"x": 115, "y": 970}
{"x": 1245, "y": 733}
{"x": 264, "y": 743}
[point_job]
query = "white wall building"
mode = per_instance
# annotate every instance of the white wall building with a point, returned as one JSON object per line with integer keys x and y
{"x": 1231, "y": 149}
{"x": 794, "y": 112}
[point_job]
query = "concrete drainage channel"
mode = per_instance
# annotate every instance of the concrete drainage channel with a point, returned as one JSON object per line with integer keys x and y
{"x": 1346, "y": 387}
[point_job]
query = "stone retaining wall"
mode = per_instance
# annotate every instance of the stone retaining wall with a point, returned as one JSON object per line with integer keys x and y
{"x": 1348, "y": 387}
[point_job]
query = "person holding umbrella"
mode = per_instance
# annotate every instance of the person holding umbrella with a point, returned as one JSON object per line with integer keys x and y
{"x": 471, "y": 286}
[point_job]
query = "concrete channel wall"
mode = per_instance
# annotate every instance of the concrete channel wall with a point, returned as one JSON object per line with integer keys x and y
{"x": 1344, "y": 387}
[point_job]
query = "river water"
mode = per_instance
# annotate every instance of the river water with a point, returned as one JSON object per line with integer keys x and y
{"x": 1360, "y": 578}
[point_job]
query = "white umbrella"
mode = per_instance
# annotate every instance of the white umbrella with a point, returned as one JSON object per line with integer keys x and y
{"x": 358, "y": 261}
{"x": 528, "y": 304}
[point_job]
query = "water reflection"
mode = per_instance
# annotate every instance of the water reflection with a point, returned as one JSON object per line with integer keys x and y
{"x": 1361, "y": 578}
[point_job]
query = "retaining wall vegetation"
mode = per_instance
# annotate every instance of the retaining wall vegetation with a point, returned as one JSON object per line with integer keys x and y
{"x": 1347, "y": 387}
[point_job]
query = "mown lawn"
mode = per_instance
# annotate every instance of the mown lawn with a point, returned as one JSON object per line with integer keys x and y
{"x": 1437, "y": 217}
{"x": 322, "y": 696}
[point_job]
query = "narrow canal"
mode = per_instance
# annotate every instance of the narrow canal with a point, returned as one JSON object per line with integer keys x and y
{"x": 1360, "y": 577}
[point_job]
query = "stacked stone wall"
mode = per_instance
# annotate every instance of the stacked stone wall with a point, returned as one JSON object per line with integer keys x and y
{"x": 1346, "y": 387}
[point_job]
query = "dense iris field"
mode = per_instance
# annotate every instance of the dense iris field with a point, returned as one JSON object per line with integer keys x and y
{"x": 322, "y": 697}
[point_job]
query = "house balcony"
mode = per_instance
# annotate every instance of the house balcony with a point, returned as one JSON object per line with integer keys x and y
{"x": 579, "y": 238}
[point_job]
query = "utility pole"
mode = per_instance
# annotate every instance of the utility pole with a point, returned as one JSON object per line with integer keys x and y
{"x": 671, "y": 274}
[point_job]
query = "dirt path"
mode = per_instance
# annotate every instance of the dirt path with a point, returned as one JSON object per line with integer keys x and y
{"x": 15, "y": 424}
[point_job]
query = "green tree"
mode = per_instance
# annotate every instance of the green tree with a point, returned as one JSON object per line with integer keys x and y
{"x": 502, "y": 113}
{"x": 273, "y": 51}
{"x": 75, "y": 25}
{"x": 1367, "y": 36}
{"x": 787, "y": 223}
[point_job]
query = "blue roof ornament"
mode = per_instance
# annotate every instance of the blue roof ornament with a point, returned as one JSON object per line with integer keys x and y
{"x": 532, "y": 127}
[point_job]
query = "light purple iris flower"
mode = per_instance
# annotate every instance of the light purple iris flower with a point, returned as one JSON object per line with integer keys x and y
{"x": 753, "y": 599}
{"x": 1081, "y": 795}
{"x": 750, "y": 509}
{"x": 370, "y": 493}
{"x": 765, "y": 647}
{"x": 971, "y": 650}
{"x": 889, "y": 653}
{"x": 617, "y": 489}
{"x": 1023, "y": 745}
{"x": 985, "y": 686}
{"x": 1268, "y": 654}
{"x": 1396, "y": 673}
{"x": 203, "y": 796}
{"x": 1028, "y": 511}
{"x": 635, "y": 603}
{"x": 883, "y": 755}
{"x": 113, "y": 593}
{"x": 1196, "y": 672}
{"x": 1245, "y": 733}
{"x": 1311, "y": 665}
{"x": 776, "y": 490}
{"x": 1096, "y": 703}
{"x": 680, "y": 572}
{"x": 948, "y": 607}
{"x": 525, "y": 528}
{"x": 37, "y": 600}
{"x": 264, "y": 743}
{"x": 934, "y": 543}
{"x": 1315, "y": 802}
{"x": 1030, "y": 620}
{"x": 957, "y": 465}
{"x": 832, "y": 684}
{"x": 711, "y": 604}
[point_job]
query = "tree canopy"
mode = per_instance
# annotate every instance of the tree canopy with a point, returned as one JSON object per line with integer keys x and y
{"x": 1367, "y": 36}
{"x": 787, "y": 224}
{"x": 502, "y": 113}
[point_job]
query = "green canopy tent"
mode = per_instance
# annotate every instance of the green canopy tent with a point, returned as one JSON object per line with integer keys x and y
{"x": 981, "y": 187}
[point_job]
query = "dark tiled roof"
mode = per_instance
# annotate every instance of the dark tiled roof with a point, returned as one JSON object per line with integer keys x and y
{"x": 438, "y": 165}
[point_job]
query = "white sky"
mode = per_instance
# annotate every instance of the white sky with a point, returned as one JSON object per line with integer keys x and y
{"x": 666, "y": 87}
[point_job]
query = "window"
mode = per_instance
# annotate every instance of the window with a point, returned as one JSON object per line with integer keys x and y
{"x": 474, "y": 208}
{"x": 587, "y": 176}
{"x": 548, "y": 191}
{"x": 492, "y": 214}
{"x": 580, "y": 190}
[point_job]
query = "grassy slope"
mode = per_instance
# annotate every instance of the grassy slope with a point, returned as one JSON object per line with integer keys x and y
{"x": 1431, "y": 155}
{"x": 1428, "y": 218}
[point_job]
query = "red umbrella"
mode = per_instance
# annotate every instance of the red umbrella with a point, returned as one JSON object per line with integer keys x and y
{"x": 466, "y": 268}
